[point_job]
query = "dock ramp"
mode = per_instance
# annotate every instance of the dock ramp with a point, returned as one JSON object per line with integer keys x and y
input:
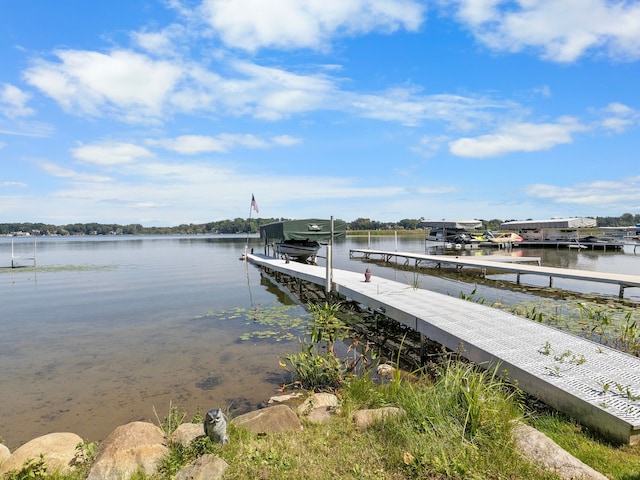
{"x": 596, "y": 385}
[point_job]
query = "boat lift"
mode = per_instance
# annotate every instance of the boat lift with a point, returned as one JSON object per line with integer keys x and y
{"x": 14, "y": 257}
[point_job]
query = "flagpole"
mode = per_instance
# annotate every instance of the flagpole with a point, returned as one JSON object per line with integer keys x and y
{"x": 252, "y": 206}
{"x": 246, "y": 245}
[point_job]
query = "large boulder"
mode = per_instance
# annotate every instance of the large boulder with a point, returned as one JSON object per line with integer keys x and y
{"x": 276, "y": 419}
{"x": 206, "y": 467}
{"x": 59, "y": 450}
{"x": 363, "y": 419}
{"x": 129, "y": 448}
{"x": 5, "y": 453}
{"x": 541, "y": 450}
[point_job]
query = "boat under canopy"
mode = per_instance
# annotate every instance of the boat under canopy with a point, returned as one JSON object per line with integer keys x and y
{"x": 300, "y": 239}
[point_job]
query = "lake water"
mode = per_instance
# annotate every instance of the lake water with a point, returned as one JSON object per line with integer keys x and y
{"x": 106, "y": 329}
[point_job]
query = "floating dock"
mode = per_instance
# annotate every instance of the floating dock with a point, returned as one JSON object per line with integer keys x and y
{"x": 596, "y": 385}
{"x": 505, "y": 264}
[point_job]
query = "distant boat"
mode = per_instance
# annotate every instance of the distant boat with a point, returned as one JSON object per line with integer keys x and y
{"x": 300, "y": 239}
{"x": 506, "y": 237}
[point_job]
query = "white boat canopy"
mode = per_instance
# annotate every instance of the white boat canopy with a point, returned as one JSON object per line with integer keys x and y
{"x": 452, "y": 224}
{"x": 574, "y": 222}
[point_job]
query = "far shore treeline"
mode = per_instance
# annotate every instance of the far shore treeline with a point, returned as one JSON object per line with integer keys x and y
{"x": 247, "y": 225}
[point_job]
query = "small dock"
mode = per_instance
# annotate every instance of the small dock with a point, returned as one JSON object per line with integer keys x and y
{"x": 596, "y": 385}
{"x": 579, "y": 244}
{"x": 16, "y": 259}
{"x": 507, "y": 264}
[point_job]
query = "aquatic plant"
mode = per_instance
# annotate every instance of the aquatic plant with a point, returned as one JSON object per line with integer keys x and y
{"x": 471, "y": 297}
{"x": 277, "y": 322}
{"x": 326, "y": 326}
{"x": 316, "y": 366}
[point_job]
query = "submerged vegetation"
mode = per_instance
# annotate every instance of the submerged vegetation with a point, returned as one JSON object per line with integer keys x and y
{"x": 273, "y": 322}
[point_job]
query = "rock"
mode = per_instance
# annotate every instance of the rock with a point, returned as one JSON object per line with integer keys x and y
{"x": 541, "y": 450}
{"x": 364, "y": 418}
{"x": 318, "y": 400}
{"x": 206, "y": 467}
{"x": 5, "y": 453}
{"x": 187, "y": 433}
{"x": 59, "y": 450}
{"x": 388, "y": 371}
{"x": 319, "y": 407}
{"x": 285, "y": 398}
{"x": 131, "y": 447}
{"x": 276, "y": 419}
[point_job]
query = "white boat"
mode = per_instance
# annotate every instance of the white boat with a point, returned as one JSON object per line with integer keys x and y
{"x": 298, "y": 249}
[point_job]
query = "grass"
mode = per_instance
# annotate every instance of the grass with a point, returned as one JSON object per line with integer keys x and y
{"x": 457, "y": 425}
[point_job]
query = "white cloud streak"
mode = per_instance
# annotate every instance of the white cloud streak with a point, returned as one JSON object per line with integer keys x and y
{"x": 518, "y": 137}
{"x": 618, "y": 194}
{"x": 223, "y": 143}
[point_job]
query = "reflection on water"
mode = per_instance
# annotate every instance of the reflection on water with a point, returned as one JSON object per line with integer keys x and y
{"x": 107, "y": 328}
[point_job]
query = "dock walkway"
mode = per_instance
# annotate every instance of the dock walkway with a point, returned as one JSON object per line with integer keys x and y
{"x": 596, "y": 385}
{"x": 507, "y": 264}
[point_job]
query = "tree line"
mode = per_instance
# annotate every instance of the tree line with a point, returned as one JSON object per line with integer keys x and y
{"x": 247, "y": 225}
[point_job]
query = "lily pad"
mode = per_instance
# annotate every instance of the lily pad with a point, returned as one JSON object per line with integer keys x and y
{"x": 279, "y": 322}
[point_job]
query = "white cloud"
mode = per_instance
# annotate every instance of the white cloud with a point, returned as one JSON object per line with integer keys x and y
{"x": 130, "y": 85}
{"x": 519, "y": 137}
{"x": 14, "y": 184}
{"x": 621, "y": 194}
{"x": 563, "y": 30}
{"x": 13, "y": 102}
{"x": 619, "y": 118}
{"x": 292, "y": 24}
{"x": 67, "y": 173}
{"x": 163, "y": 42}
{"x": 110, "y": 153}
{"x": 134, "y": 88}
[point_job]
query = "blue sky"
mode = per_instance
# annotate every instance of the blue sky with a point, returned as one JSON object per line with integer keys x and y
{"x": 177, "y": 111}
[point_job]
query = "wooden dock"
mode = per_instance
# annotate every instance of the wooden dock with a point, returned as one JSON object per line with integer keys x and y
{"x": 505, "y": 264}
{"x": 596, "y": 385}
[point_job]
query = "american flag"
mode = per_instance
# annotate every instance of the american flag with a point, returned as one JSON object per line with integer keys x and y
{"x": 254, "y": 204}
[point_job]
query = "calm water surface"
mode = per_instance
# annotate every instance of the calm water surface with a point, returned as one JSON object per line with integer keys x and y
{"x": 107, "y": 328}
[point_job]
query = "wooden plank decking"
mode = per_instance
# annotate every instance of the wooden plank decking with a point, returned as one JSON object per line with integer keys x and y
{"x": 508, "y": 264}
{"x": 596, "y": 385}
